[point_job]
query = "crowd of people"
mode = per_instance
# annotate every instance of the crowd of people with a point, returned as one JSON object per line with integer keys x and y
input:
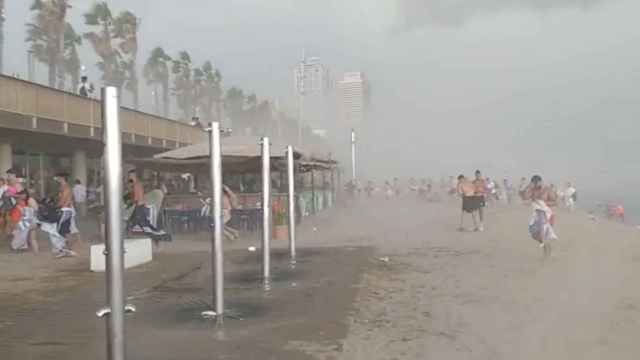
{"x": 476, "y": 194}
{"x": 21, "y": 214}
{"x": 480, "y": 192}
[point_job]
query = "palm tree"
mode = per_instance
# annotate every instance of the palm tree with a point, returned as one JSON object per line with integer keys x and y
{"x": 71, "y": 65}
{"x": 2, "y": 19}
{"x": 102, "y": 42}
{"x": 264, "y": 115}
{"x": 183, "y": 84}
{"x": 251, "y": 110}
{"x": 156, "y": 72}
{"x": 198, "y": 90}
{"x": 46, "y": 34}
{"x": 211, "y": 91}
{"x": 234, "y": 102}
{"x": 126, "y": 27}
{"x": 252, "y": 101}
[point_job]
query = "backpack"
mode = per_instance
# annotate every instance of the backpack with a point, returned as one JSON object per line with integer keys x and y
{"x": 7, "y": 203}
{"x": 49, "y": 212}
{"x": 574, "y": 197}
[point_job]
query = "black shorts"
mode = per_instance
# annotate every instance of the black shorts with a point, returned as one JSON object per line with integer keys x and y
{"x": 472, "y": 203}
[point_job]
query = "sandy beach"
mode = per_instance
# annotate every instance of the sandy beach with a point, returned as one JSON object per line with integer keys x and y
{"x": 491, "y": 295}
{"x": 377, "y": 280}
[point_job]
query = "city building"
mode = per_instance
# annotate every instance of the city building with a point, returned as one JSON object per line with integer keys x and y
{"x": 353, "y": 98}
{"x": 311, "y": 77}
{"x": 313, "y": 87}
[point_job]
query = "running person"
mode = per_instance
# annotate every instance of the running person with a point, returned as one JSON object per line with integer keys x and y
{"x": 542, "y": 220}
{"x": 67, "y": 225}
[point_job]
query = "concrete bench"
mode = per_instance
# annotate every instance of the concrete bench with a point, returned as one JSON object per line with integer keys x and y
{"x": 137, "y": 252}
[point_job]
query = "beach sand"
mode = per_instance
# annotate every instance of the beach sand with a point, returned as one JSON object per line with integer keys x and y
{"x": 449, "y": 295}
{"x": 378, "y": 280}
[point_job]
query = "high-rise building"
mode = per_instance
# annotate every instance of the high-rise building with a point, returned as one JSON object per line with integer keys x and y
{"x": 313, "y": 85}
{"x": 353, "y": 98}
{"x": 311, "y": 77}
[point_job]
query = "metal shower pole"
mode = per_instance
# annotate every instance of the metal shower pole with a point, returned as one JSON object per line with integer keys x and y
{"x": 266, "y": 212}
{"x": 114, "y": 246}
{"x": 353, "y": 154}
{"x": 292, "y": 203}
{"x": 217, "y": 255}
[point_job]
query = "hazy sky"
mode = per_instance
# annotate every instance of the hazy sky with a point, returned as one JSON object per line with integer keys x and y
{"x": 511, "y": 86}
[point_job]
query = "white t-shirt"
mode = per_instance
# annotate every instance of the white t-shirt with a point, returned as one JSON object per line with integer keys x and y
{"x": 79, "y": 193}
{"x": 3, "y": 188}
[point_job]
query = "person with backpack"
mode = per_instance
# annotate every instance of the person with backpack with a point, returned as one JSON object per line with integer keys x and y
{"x": 51, "y": 221}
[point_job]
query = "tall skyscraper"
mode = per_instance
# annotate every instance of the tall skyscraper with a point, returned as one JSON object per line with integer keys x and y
{"x": 353, "y": 98}
{"x": 311, "y": 77}
{"x": 313, "y": 85}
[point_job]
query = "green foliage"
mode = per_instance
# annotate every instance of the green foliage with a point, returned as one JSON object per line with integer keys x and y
{"x": 115, "y": 41}
{"x": 45, "y": 34}
{"x": 156, "y": 72}
{"x": 183, "y": 85}
{"x": 234, "y": 102}
{"x": 71, "y": 65}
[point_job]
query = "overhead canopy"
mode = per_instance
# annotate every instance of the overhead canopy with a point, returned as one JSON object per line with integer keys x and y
{"x": 239, "y": 154}
{"x": 240, "y": 147}
{"x": 306, "y": 166}
{"x": 230, "y": 165}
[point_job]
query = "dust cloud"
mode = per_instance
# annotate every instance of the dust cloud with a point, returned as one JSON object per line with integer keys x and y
{"x": 509, "y": 86}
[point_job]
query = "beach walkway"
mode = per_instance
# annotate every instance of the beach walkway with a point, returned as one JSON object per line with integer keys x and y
{"x": 380, "y": 280}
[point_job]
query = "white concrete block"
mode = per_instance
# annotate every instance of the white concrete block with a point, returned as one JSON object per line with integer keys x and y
{"x": 137, "y": 252}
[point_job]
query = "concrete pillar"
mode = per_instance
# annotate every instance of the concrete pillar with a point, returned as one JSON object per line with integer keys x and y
{"x": 6, "y": 158}
{"x": 79, "y": 167}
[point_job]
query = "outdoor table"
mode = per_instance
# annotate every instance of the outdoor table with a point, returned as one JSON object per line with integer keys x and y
{"x": 246, "y": 219}
{"x": 184, "y": 220}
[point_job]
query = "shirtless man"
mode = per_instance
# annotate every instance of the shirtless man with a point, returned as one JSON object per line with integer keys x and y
{"x": 140, "y": 215}
{"x": 470, "y": 203}
{"x": 543, "y": 219}
{"x": 67, "y": 223}
{"x": 480, "y": 185}
{"x": 552, "y": 196}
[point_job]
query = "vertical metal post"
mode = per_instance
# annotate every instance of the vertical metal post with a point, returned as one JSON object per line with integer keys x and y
{"x": 313, "y": 192}
{"x": 266, "y": 212}
{"x": 27, "y": 169}
{"x": 114, "y": 244}
{"x": 217, "y": 260}
{"x": 292, "y": 203}
{"x": 41, "y": 171}
{"x": 301, "y": 92}
{"x": 300, "y": 117}
{"x": 339, "y": 185}
{"x": 333, "y": 187}
{"x": 353, "y": 155}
